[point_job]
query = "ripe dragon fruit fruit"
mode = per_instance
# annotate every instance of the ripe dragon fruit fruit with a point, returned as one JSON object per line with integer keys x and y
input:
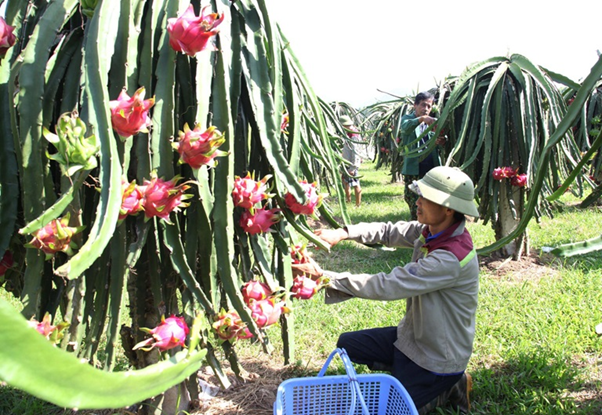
{"x": 299, "y": 254}
{"x": 197, "y": 148}
{"x": 191, "y": 34}
{"x": 170, "y": 333}
{"x": 258, "y": 222}
{"x": 6, "y": 262}
{"x": 162, "y": 197}
{"x": 55, "y": 237}
{"x": 267, "y": 312}
{"x": 229, "y": 327}
{"x": 255, "y": 290}
{"x": 131, "y": 200}
{"x": 314, "y": 200}
{"x": 129, "y": 115}
{"x": 248, "y": 192}
{"x": 305, "y": 288}
{"x": 520, "y": 180}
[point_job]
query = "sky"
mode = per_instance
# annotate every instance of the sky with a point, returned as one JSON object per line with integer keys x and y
{"x": 350, "y": 49}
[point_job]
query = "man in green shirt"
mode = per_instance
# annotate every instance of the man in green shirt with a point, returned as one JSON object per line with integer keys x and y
{"x": 412, "y": 127}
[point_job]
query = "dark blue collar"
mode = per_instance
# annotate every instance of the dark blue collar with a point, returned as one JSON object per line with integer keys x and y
{"x": 430, "y": 237}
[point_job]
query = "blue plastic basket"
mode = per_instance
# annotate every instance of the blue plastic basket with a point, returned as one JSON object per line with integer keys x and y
{"x": 351, "y": 394}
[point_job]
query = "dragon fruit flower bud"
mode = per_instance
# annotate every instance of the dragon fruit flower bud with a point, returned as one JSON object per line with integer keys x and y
{"x": 260, "y": 221}
{"x": 519, "y": 180}
{"x": 190, "y": 33}
{"x": 55, "y": 237}
{"x": 7, "y": 37}
{"x": 267, "y": 311}
{"x": 248, "y": 192}
{"x": 170, "y": 333}
{"x": 162, "y": 197}
{"x": 129, "y": 115}
{"x": 229, "y": 327}
{"x": 314, "y": 200}
{"x": 75, "y": 151}
{"x": 197, "y": 148}
{"x": 255, "y": 290}
{"x": 88, "y": 7}
{"x": 131, "y": 200}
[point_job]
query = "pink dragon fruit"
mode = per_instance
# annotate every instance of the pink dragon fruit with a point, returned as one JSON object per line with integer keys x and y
{"x": 284, "y": 123}
{"x": 304, "y": 287}
{"x": 267, "y": 311}
{"x": 299, "y": 254}
{"x": 129, "y": 115}
{"x": 314, "y": 200}
{"x": 162, "y": 197}
{"x": 170, "y": 333}
{"x": 46, "y": 329}
{"x": 6, "y": 262}
{"x": 131, "y": 200}
{"x": 55, "y": 237}
{"x": 248, "y": 192}
{"x": 7, "y": 37}
{"x": 190, "y": 33}
{"x": 255, "y": 290}
{"x": 197, "y": 148}
{"x": 258, "y": 222}
{"x": 229, "y": 327}
{"x": 520, "y": 180}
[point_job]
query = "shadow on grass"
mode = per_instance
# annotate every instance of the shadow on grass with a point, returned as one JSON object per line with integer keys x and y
{"x": 538, "y": 383}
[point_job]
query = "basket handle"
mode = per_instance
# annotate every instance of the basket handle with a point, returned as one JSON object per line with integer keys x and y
{"x": 352, "y": 375}
{"x": 346, "y": 362}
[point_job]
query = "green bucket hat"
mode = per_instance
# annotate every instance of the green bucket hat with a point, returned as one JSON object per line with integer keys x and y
{"x": 346, "y": 121}
{"x": 449, "y": 187}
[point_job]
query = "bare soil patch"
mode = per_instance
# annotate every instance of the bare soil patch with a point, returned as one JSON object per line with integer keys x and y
{"x": 254, "y": 394}
{"x": 531, "y": 267}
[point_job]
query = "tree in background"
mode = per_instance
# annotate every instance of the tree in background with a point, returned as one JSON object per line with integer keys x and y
{"x": 507, "y": 121}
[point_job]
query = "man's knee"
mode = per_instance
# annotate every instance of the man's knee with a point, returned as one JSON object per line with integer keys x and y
{"x": 344, "y": 340}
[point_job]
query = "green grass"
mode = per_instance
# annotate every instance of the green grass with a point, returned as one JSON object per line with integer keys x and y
{"x": 535, "y": 352}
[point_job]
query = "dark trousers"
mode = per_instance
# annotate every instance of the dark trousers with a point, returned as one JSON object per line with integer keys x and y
{"x": 374, "y": 347}
{"x": 410, "y": 197}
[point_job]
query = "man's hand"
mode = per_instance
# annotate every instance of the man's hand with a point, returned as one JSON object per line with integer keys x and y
{"x": 332, "y": 236}
{"x": 428, "y": 120}
{"x": 310, "y": 269}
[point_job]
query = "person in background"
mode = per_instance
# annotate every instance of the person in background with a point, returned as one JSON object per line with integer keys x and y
{"x": 429, "y": 350}
{"x": 350, "y": 174}
{"x": 412, "y": 126}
